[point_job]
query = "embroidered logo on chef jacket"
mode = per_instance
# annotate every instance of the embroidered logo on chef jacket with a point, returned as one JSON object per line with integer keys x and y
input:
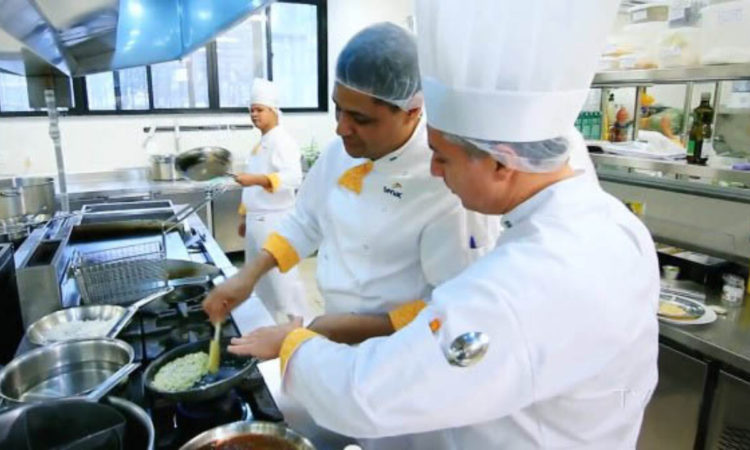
{"x": 392, "y": 190}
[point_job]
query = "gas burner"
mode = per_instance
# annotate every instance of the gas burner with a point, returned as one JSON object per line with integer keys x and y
{"x": 177, "y": 423}
{"x": 192, "y": 332}
{"x": 196, "y": 417}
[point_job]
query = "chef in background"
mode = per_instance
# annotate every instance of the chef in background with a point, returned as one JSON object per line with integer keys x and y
{"x": 385, "y": 229}
{"x": 272, "y": 175}
{"x": 562, "y": 311}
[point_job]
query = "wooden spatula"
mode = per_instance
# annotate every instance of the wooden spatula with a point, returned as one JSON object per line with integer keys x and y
{"x": 214, "y": 350}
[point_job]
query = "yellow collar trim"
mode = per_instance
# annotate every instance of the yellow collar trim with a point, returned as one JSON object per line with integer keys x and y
{"x": 352, "y": 178}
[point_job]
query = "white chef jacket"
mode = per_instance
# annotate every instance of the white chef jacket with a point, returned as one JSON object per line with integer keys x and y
{"x": 278, "y": 155}
{"x": 568, "y": 299}
{"x": 404, "y": 233}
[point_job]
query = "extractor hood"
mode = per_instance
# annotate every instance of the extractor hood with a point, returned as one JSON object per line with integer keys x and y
{"x": 79, "y": 37}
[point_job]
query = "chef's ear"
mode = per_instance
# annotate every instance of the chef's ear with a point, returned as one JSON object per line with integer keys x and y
{"x": 501, "y": 172}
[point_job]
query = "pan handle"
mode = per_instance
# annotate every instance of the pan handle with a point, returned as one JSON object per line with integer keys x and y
{"x": 132, "y": 309}
{"x": 112, "y": 381}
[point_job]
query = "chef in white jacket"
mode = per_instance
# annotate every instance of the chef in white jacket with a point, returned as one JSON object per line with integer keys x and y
{"x": 272, "y": 175}
{"x": 386, "y": 231}
{"x": 564, "y": 307}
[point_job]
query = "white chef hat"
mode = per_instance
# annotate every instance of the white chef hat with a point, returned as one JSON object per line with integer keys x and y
{"x": 381, "y": 61}
{"x": 264, "y": 93}
{"x": 510, "y": 76}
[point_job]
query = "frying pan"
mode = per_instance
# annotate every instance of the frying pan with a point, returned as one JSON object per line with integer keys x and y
{"x": 231, "y": 372}
{"x": 180, "y": 296}
{"x": 204, "y": 163}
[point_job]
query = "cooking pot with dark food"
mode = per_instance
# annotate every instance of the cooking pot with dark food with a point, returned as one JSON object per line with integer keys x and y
{"x": 249, "y": 435}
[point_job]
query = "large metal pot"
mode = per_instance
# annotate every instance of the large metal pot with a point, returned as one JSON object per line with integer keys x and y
{"x": 62, "y": 370}
{"x": 10, "y": 204}
{"x": 139, "y": 428}
{"x": 37, "y": 195}
{"x": 162, "y": 168}
{"x": 238, "y": 430}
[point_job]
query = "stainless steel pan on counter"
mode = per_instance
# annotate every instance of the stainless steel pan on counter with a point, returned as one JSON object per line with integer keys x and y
{"x": 62, "y": 370}
{"x": 261, "y": 435}
{"x": 42, "y": 331}
{"x": 204, "y": 163}
{"x": 231, "y": 372}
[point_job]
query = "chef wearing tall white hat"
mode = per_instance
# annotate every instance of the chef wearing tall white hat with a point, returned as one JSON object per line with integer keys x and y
{"x": 272, "y": 175}
{"x": 550, "y": 340}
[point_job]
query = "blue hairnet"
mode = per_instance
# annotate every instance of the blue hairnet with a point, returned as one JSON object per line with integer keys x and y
{"x": 381, "y": 61}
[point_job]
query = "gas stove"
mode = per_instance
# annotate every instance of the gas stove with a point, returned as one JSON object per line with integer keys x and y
{"x": 154, "y": 332}
{"x": 159, "y": 326}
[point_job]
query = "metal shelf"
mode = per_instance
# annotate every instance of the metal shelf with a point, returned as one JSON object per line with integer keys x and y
{"x": 673, "y": 75}
{"x": 671, "y": 168}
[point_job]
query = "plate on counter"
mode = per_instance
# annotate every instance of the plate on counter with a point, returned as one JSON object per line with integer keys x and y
{"x": 679, "y": 310}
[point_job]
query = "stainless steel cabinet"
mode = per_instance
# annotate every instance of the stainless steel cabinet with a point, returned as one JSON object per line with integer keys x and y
{"x": 671, "y": 419}
{"x": 729, "y": 426}
{"x": 226, "y": 220}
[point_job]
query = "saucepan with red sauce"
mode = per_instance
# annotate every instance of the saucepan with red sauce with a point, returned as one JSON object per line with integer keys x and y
{"x": 249, "y": 436}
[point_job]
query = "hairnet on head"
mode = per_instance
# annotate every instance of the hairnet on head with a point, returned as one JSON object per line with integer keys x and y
{"x": 537, "y": 156}
{"x": 264, "y": 93}
{"x": 381, "y": 61}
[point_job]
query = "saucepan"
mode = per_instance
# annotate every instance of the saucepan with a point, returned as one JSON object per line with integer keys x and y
{"x": 65, "y": 369}
{"x": 204, "y": 163}
{"x": 231, "y": 372}
{"x": 115, "y": 423}
{"x": 257, "y": 434}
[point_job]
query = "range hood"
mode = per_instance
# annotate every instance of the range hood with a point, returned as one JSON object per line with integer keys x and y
{"x": 79, "y": 37}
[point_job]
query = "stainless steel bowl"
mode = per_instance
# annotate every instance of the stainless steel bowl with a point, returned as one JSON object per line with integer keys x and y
{"x": 238, "y": 429}
{"x": 62, "y": 370}
{"x": 38, "y": 332}
{"x": 204, "y": 163}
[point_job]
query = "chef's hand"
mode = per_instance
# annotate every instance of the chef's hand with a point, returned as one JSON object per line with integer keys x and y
{"x": 248, "y": 179}
{"x": 224, "y": 297}
{"x": 265, "y": 342}
{"x": 241, "y": 229}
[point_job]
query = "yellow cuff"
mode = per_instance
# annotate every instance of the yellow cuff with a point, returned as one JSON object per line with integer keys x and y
{"x": 275, "y": 182}
{"x": 242, "y": 210}
{"x": 404, "y": 314}
{"x": 285, "y": 255}
{"x": 292, "y": 342}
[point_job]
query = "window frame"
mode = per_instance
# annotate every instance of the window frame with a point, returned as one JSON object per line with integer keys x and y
{"x": 81, "y": 96}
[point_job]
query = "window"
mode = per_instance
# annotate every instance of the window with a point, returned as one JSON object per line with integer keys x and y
{"x": 286, "y": 42}
{"x": 133, "y": 88}
{"x": 125, "y": 89}
{"x": 13, "y": 94}
{"x": 241, "y": 56}
{"x": 181, "y": 84}
{"x": 294, "y": 46}
{"x": 100, "y": 89}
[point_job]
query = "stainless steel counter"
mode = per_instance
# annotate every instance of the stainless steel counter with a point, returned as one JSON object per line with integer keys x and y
{"x": 128, "y": 181}
{"x": 727, "y": 340}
